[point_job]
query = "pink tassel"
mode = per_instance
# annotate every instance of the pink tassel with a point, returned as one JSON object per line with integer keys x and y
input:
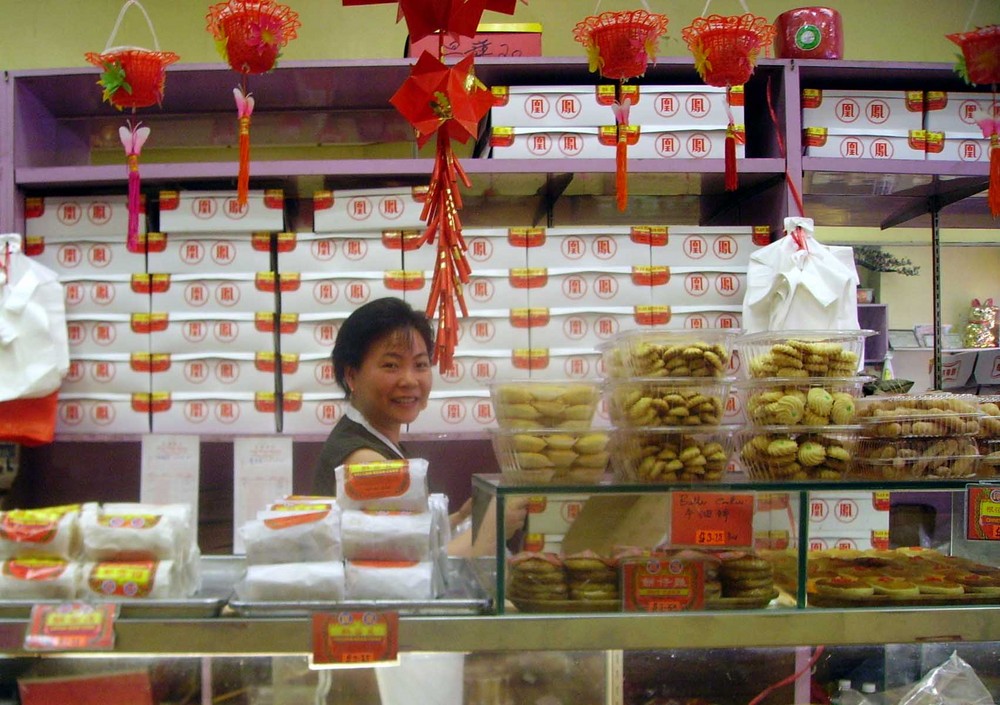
{"x": 133, "y": 138}
{"x": 244, "y": 109}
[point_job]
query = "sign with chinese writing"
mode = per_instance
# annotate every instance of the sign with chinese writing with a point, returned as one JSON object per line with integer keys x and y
{"x": 262, "y": 473}
{"x": 71, "y": 626}
{"x": 983, "y": 502}
{"x": 711, "y": 519}
{"x": 354, "y": 638}
{"x": 662, "y": 585}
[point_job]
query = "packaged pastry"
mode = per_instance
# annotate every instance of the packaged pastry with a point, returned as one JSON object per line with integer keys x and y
{"x": 281, "y": 536}
{"x": 551, "y": 455}
{"x": 161, "y": 532}
{"x": 806, "y": 401}
{"x": 803, "y": 353}
{"x": 672, "y": 401}
{"x": 132, "y": 580}
{"x": 537, "y": 404}
{"x": 440, "y": 535}
{"x": 294, "y": 582}
{"x": 671, "y": 454}
{"x": 989, "y": 423}
{"x": 386, "y": 536}
{"x": 39, "y": 578}
{"x": 682, "y": 353}
{"x": 390, "y": 580}
{"x": 797, "y": 453}
{"x": 49, "y": 531}
{"x": 906, "y": 415}
{"x": 391, "y": 485}
{"x": 181, "y": 515}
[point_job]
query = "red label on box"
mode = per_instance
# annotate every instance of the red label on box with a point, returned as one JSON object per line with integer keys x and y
{"x": 983, "y": 502}
{"x": 352, "y": 638}
{"x": 662, "y": 585}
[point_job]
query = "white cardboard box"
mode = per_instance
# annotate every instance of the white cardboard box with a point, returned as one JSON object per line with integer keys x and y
{"x": 650, "y": 142}
{"x": 220, "y": 212}
{"x": 490, "y": 330}
{"x": 309, "y": 373}
{"x": 214, "y": 412}
{"x": 218, "y": 291}
{"x": 208, "y": 371}
{"x": 955, "y": 146}
{"x": 845, "y": 512}
{"x": 550, "y": 106}
{"x": 474, "y": 370}
{"x": 691, "y": 141}
{"x": 351, "y": 210}
{"x": 703, "y": 105}
{"x": 74, "y": 217}
{"x": 105, "y": 293}
{"x": 178, "y": 253}
{"x": 101, "y": 413}
{"x": 869, "y": 143}
{"x": 455, "y": 411}
{"x": 489, "y": 289}
{"x": 592, "y": 286}
{"x": 553, "y": 514}
{"x": 690, "y": 245}
{"x": 112, "y": 373}
{"x": 343, "y": 291}
{"x": 311, "y": 413}
{"x": 701, "y": 286}
{"x": 582, "y": 326}
{"x": 956, "y": 112}
{"x": 857, "y": 110}
{"x": 106, "y": 333}
{"x": 696, "y": 317}
{"x": 565, "y": 363}
{"x": 987, "y": 370}
{"x": 365, "y": 250}
{"x": 589, "y": 246}
{"x": 95, "y": 254}
{"x": 219, "y": 331}
{"x": 304, "y": 333}
{"x": 486, "y": 249}
{"x": 956, "y": 368}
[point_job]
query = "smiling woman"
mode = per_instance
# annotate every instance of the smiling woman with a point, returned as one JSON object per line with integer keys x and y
{"x": 381, "y": 360}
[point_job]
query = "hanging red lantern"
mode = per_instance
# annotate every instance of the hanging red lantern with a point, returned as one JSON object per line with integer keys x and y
{"x": 250, "y": 34}
{"x": 132, "y": 77}
{"x": 619, "y": 46}
{"x": 725, "y": 52}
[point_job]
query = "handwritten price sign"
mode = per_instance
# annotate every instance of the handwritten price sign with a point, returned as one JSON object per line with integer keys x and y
{"x": 712, "y": 519}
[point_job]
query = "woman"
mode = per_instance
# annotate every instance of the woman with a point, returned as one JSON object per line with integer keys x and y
{"x": 382, "y": 361}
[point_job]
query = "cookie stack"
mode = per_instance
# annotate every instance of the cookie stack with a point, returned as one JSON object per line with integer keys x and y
{"x": 537, "y": 577}
{"x": 746, "y": 576}
{"x": 800, "y": 401}
{"x": 920, "y": 436}
{"x": 666, "y": 396}
{"x": 591, "y": 577}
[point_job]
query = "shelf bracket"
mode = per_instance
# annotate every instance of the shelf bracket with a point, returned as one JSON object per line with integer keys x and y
{"x": 555, "y": 185}
{"x": 955, "y": 191}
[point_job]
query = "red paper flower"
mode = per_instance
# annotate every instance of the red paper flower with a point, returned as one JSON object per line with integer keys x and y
{"x": 425, "y": 17}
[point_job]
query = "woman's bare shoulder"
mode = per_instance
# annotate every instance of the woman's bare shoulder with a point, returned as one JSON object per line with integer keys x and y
{"x": 364, "y": 455}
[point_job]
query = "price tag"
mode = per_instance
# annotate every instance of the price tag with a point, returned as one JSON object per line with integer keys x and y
{"x": 711, "y": 519}
{"x": 346, "y": 639}
{"x": 662, "y": 585}
{"x": 983, "y": 506}
{"x": 71, "y": 626}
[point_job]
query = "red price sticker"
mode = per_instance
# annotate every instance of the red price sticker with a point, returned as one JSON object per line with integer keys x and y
{"x": 715, "y": 519}
{"x": 983, "y": 520}
{"x": 71, "y": 626}
{"x": 354, "y": 638}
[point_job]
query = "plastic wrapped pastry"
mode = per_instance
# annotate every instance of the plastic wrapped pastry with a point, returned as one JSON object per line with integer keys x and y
{"x": 294, "y": 582}
{"x": 49, "y": 531}
{"x": 387, "y": 580}
{"x": 386, "y": 536}
{"x": 132, "y": 580}
{"x": 126, "y": 531}
{"x": 39, "y": 578}
{"x": 293, "y": 537}
{"x": 393, "y": 485}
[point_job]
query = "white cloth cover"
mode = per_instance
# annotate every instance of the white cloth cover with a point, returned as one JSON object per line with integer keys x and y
{"x": 34, "y": 346}
{"x": 797, "y": 283}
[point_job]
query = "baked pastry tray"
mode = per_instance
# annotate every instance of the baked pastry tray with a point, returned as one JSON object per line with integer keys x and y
{"x": 819, "y": 600}
{"x": 464, "y": 595}
{"x": 218, "y": 575}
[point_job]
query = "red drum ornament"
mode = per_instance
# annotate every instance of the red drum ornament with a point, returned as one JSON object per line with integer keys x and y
{"x": 809, "y": 33}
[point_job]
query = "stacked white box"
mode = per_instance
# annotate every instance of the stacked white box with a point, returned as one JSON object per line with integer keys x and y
{"x": 211, "y": 411}
{"x": 565, "y": 363}
{"x": 78, "y": 218}
{"x": 308, "y": 373}
{"x": 105, "y": 373}
{"x": 208, "y": 252}
{"x": 86, "y": 254}
{"x": 490, "y": 329}
{"x": 220, "y": 212}
{"x": 728, "y": 246}
{"x": 344, "y": 291}
{"x": 354, "y": 210}
{"x": 304, "y": 333}
{"x": 848, "y": 519}
{"x": 589, "y": 246}
{"x": 213, "y": 291}
{"x": 102, "y": 413}
{"x": 857, "y": 124}
{"x": 211, "y": 332}
{"x": 311, "y": 412}
{"x": 952, "y": 130}
{"x": 455, "y": 411}
{"x": 105, "y": 293}
{"x": 474, "y": 370}
{"x": 704, "y": 286}
{"x": 327, "y": 252}
{"x": 106, "y": 333}
{"x": 209, "y": 372}
{"x": 591, "y": 286}
{"x": 486, "y": 248}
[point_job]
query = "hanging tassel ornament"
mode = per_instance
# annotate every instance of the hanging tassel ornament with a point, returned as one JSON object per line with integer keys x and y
{"x": 244, "y": 109}
{"x": 621, "y": 110}
{"x": 990, "y": 125}
{"x": 133, "y": 138}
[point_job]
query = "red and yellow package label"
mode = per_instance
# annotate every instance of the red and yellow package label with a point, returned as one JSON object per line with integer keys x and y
{"x": 355, "y": 638}
{"x": 662, "y": 585}
{"x": 35, "y": 568}
{"x": 123, "y": 578}
{"x": 129, "y": 521}
{"x": 285, "y": 522}
{"x": 376, "y": 480}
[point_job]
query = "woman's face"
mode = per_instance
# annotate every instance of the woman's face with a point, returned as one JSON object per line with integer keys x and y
{"x": 392, "y": 384}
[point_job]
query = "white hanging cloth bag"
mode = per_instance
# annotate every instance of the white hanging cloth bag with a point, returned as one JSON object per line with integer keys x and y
{"x": 34, "y": 347}
{"x": 797, "y": 283}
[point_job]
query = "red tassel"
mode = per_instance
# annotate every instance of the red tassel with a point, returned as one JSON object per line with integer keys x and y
{"x": 132, "y": 241}
{"x": 731, "y": 180}
{"x": 243, "y": 179}
{"x": 621, "y": 170}
{"x": 993, "y": 195}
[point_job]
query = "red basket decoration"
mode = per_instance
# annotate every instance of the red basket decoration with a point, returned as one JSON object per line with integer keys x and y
{"x": 981, "y": 51}
{"x": 145, "y": 73}
{"x": 250, "y": 34}
{"x": 621, "y": 44}
{"x": 726, "y": 48}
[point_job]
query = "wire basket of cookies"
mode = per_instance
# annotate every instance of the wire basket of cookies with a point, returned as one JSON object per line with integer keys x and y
{"x": 806, "y": 401}
{"x": 803, "y": 353}
{"x": 797, "y": 453}
{"x": 920, "y": 415}
{"x": 670, "y": 454}
{"x": 911, "y": 458}
{"x": 539, "y": 404}
{"x": 552, "y": 455}
{"x": 667, "y": 401}
{"x": 680, "y": 353}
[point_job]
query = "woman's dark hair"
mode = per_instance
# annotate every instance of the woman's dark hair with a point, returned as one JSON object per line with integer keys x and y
{"x": 370, "y": 323}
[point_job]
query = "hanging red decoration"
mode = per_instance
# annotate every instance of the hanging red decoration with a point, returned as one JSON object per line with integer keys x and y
{"x": 132, "y": 77}
{"x": 446, "y": 102}
{"x": 725, "y": 52}
{"x": 619, "y": 46}
{"x": 427, "y": 17}
{"x": 980, "y": 65}
{"x": 249, "y": 35}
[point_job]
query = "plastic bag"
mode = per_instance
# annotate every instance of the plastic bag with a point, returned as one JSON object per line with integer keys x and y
{"x": 954, "y": 682}
{"x": 798, "y": 283}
